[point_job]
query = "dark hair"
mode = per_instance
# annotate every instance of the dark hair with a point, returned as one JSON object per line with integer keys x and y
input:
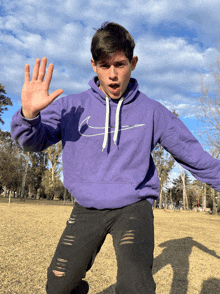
{"x": 111, "y": 37}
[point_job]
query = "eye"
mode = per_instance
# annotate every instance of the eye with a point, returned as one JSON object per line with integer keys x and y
{"x": 120, "y": 64}
{"x": 104, "y": 66}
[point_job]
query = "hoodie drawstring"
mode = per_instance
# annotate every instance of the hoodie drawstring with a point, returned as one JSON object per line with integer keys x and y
{"x": 106, "y": 124}
{"x": 117, "y": 115}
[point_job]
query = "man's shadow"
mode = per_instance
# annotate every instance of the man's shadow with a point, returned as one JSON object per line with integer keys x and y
{"x": 176, "y": 253}
{"x": 211, "y": 286}
{"x": 109, "y": 290}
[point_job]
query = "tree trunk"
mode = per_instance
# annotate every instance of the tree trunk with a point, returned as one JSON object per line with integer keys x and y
{"x": 160, "y": 197}
{"x": 9, "y": 198}
{"x": 64, "y": 196}
{"x": 53, "y": 173}
{"x": 185, "y": 198}
{"x": 171, "y": 200}
{"x": 204, "y": 197}
{"x": 214, "y": 209}
{"x": 24, "y": 177}
{"x": 187, "y": 202}
{"x": 218, "y": 203}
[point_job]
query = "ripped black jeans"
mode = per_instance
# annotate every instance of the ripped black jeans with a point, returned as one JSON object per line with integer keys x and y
{"x": 133, "y": 238}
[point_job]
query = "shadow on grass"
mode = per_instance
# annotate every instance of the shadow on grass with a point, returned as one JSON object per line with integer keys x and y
{"x": 109, "y": 290}
{"x": 176, "y": 253}
{"x": 211, "y": 286}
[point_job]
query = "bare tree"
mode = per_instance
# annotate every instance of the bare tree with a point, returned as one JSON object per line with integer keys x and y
{"x": 204, "y": 199}
{"x": 209, "y": 103}
{"x": 183, "y": 177}
{"x": 215, "y": 152}
{"x": 38, "y": 166}
{"x": 24, "y": 178}
{"x": 51, "y": 178}
{"x": 164, "y": 163}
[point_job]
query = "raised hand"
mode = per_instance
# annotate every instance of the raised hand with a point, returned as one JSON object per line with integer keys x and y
{"x": 35, "y": 93}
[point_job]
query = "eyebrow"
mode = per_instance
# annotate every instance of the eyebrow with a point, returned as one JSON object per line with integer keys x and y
{"x": 106, "y": 62}
{"x": 123, "y": 60}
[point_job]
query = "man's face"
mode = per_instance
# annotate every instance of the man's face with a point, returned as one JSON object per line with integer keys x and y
{"x": 114, "y": 73}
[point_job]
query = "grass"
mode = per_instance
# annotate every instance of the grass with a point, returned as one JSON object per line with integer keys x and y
{"x": 187, "y": 250}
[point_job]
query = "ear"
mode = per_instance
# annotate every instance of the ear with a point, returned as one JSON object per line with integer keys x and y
{"x": 93, "y": 65}
{"x": 134, "y": 62}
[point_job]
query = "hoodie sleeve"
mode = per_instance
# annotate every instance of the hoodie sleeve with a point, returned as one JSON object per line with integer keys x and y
{"x": 39, "y": 133}
{"x": 175, "y": 137}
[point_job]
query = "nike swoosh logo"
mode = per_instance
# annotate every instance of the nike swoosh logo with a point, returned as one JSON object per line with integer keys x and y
{"x": 123, "y": 128}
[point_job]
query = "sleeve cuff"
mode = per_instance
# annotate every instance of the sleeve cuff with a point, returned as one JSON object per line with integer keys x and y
{"x": 26, "y": 121}
{"x": 28, "y": 118}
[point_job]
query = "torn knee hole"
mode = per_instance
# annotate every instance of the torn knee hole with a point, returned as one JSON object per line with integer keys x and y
{"x": 127, "y": 238}
{"x": 68, "y": 240}
{"x": 60, "y": 266}
{"x": 71, "y": 220}
{"x": 59, "y": 274}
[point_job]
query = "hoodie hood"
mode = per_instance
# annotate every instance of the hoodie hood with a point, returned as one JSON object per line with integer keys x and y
{"x": 128, "y": 96}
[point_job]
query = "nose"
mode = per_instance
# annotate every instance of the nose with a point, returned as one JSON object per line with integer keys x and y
{"x": 112, "y": 73}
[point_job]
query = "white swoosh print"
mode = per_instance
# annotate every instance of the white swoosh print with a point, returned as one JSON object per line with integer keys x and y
{"x": 123, "y": 128}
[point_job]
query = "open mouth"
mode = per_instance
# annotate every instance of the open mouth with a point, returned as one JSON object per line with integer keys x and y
{"x": 114, "y": 86}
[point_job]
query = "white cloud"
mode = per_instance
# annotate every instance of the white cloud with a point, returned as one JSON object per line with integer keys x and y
{"x": 10, "y": 41}
{"x": 10, "y": 23}
{"x": 170, "y": 71}
{"x": 171, "y": 53}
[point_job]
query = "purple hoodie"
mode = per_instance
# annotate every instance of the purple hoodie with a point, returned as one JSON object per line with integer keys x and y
{"x": 107, "y": 146}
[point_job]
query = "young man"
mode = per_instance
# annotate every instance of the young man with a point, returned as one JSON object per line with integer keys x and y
{"x": 108, "y": 133}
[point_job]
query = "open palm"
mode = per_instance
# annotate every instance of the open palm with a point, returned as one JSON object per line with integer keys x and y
{"x": 35, "y": 93}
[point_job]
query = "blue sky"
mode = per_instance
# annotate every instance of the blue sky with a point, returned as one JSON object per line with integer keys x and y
{"x": 176, "y": 42}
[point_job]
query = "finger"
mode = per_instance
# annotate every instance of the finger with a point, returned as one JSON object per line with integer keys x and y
{"x": 42, "y": 69}
{"x": 55, "y": 94}
{"x": 49, "y": 74}
{"x": 26, "y": 73}
{"x": 36, "y": 69}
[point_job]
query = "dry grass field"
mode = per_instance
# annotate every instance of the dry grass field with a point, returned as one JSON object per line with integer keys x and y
{"x": 187, "y": 250}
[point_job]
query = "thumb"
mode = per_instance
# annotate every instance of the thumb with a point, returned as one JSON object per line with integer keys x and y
{"x": 55, "y": 94}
